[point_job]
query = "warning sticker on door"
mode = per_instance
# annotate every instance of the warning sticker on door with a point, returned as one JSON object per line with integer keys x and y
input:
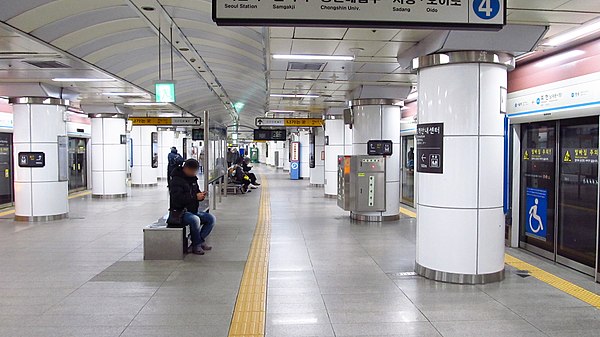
{"x": 580, "y": 156}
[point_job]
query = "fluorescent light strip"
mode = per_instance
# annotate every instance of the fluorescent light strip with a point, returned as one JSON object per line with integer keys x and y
{"x": 282, "y": 111}
{"x": 76, "y": 79}
{"x": 559, "y": 58}
{"x": 123, "y": 94}
{"x": 146, "y": 104}
{"x": 313, "y": 57}
{"x": 573, "y": 34}
{"x": 294, "y": 96}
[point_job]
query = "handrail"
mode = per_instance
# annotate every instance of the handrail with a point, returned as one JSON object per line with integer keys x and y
{"x": 212, "y": 181}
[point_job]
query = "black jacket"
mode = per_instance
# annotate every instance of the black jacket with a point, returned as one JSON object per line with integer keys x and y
{"x": 183, "y": 191}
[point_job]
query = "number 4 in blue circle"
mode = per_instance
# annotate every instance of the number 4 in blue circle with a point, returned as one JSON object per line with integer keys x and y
{"x": 486, "y": 9}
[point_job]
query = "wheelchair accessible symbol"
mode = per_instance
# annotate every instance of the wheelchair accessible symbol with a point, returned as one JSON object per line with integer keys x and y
{"x": 537, "y": 208}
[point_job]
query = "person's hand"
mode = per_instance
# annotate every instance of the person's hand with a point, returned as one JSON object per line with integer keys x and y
{"x": 201, "y": 196}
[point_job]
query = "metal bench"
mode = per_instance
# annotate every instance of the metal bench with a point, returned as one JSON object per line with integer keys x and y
{"x": 162, "y": 243}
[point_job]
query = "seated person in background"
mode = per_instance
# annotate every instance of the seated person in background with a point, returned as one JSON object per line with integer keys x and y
{"x": 185, "y": 195}
{"x": 247, "y": 167}
{"x": 238, "y": 176}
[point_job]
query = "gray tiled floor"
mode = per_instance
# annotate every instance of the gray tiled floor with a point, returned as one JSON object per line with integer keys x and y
{"x": 333, "y": 277}
{"x": 328, "y": 277}
{"x": 86, "y": 276}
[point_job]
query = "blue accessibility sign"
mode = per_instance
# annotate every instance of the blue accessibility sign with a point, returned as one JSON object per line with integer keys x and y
{"x": 536, "y": 224}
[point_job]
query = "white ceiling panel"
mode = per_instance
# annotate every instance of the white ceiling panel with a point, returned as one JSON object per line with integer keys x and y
{"x": 369, "y": 48}
{"x": 281, "y": 46}
{"x": 320, "y": 47}
{"x": 391, "y": 49}
{"x": 366, "y": 34}
{"x": 320, "y": 33}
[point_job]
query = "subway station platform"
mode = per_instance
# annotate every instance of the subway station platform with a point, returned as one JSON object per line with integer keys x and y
{"x": 327, "y": 276}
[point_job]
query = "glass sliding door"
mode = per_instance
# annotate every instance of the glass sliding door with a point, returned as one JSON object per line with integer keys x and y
{"x": 578, "y": 193}
{"x": 538, "y": 188}
{"x": 6, "y": 168}
{"x": 408, "y": 170}
{"x": 559, "y": 193}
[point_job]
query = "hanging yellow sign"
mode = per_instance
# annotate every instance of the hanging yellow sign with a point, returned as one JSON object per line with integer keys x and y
{"x": 303, "y": 122}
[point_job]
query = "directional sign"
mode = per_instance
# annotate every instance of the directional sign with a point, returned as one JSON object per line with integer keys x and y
{"x": 289, "y": 122}
{"x": 167, "y": 121}
{"x": 451, "y": 14}
{"x": 430, "y": 148}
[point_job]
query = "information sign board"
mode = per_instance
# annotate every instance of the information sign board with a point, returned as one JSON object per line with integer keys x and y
{"x": 430, "y": 148}
{"x": 452, "y": 14}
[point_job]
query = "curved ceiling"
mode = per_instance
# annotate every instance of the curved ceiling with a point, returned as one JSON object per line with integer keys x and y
{"x": 214, "y": 67}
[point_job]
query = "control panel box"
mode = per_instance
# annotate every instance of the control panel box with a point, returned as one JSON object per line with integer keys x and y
{"x": 361, "y": 185}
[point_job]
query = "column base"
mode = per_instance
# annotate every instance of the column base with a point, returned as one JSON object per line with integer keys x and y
{"x": 41, "y": 218}
{"x": 446, "y": 277}
{"x": 144, "y": 185}
{"x": 109, "y": 196}
{"x": 317, "y": 185}
{"x": 374, "y": 218}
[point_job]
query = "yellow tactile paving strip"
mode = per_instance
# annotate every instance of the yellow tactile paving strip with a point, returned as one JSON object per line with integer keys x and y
{"x": 555, "y": 281}
{"x": 544, "y": 276}
{"x": 251, "y": 305}
{"x": 71, "y": 196}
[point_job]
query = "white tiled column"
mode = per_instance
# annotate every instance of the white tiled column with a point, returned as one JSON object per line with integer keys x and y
{"x": 460, "y": 223}
{"x": 304, "y": 140}
{"x": 109, "y": 156}
{"x": 142, "y": 173}
{"x": 380, "y": 122}
{"x": 317, "y": 174}
{"x": 39, "y": 194}
{"x": 335, "y": 133}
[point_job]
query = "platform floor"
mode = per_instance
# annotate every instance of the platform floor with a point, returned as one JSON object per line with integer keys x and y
{"x": 327, "y": 277}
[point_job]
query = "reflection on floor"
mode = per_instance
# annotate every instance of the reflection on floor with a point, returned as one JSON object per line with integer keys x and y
{"x": 327, "y": 277}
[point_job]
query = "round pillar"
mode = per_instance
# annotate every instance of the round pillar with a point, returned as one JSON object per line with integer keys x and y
{"x": 142, "y": 173}
{"x": 41, "y": 192}
{"x": 317, "y": 173}
{"x": 334, "y": 147}
{"x": 109, "y": 156}
{"x": 460, "y": 223}
{"x": 304, "y": 140}
{"x": 379, "y": 119}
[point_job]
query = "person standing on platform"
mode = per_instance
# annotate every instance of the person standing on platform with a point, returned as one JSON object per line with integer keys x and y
{"x": 174, "y": 160}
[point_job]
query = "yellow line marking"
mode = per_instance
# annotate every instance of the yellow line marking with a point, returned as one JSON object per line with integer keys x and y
{"x": 251, "y": 305}
{"x": 544, "y": 276}
{"x": 408, "y": 212}
{"x": 555, "y": 281}
{"x": 72, "y": 196}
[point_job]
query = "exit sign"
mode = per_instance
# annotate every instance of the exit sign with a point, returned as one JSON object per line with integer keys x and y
{"x": 165, "y": 92}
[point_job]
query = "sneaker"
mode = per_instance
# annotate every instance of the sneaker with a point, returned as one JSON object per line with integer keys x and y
{"x": 204, "y": 246}
{"x": 256, "y": 184}
{"x": 198, "y": 250}
{"x": 253, "y": 187}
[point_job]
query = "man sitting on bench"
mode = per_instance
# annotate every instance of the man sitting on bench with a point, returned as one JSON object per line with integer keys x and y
{"x": 185, "y": 195}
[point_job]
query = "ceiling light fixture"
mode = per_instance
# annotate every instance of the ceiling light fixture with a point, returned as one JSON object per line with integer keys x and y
{"x": 314, "y": 57}
{"x": 146, "y": 104}
{"x": 282, "y": 111}
{"x": 77, "y": 79}
{"x": 559, "y": 58}
{"x": 573, "y": 34}
{"x": 294, "y": 96}
{"x": 132, "y": 94}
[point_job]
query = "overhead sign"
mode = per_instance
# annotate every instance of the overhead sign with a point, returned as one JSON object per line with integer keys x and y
{"x": 289, "y": 122}
{"x": 165, "y": 92}
{"x": 490, "y": 14}
{"x": 380, "y": 148}
{"x": 270, "y": 135}
{"x": 430, "y": 148}
{"x": 167, "y": 121}
{"x": 537, "y": 213}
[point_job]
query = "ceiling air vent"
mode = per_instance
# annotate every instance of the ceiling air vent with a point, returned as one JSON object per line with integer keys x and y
{"x": 48, "y": 64}
{"x": 301, "y": 66}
